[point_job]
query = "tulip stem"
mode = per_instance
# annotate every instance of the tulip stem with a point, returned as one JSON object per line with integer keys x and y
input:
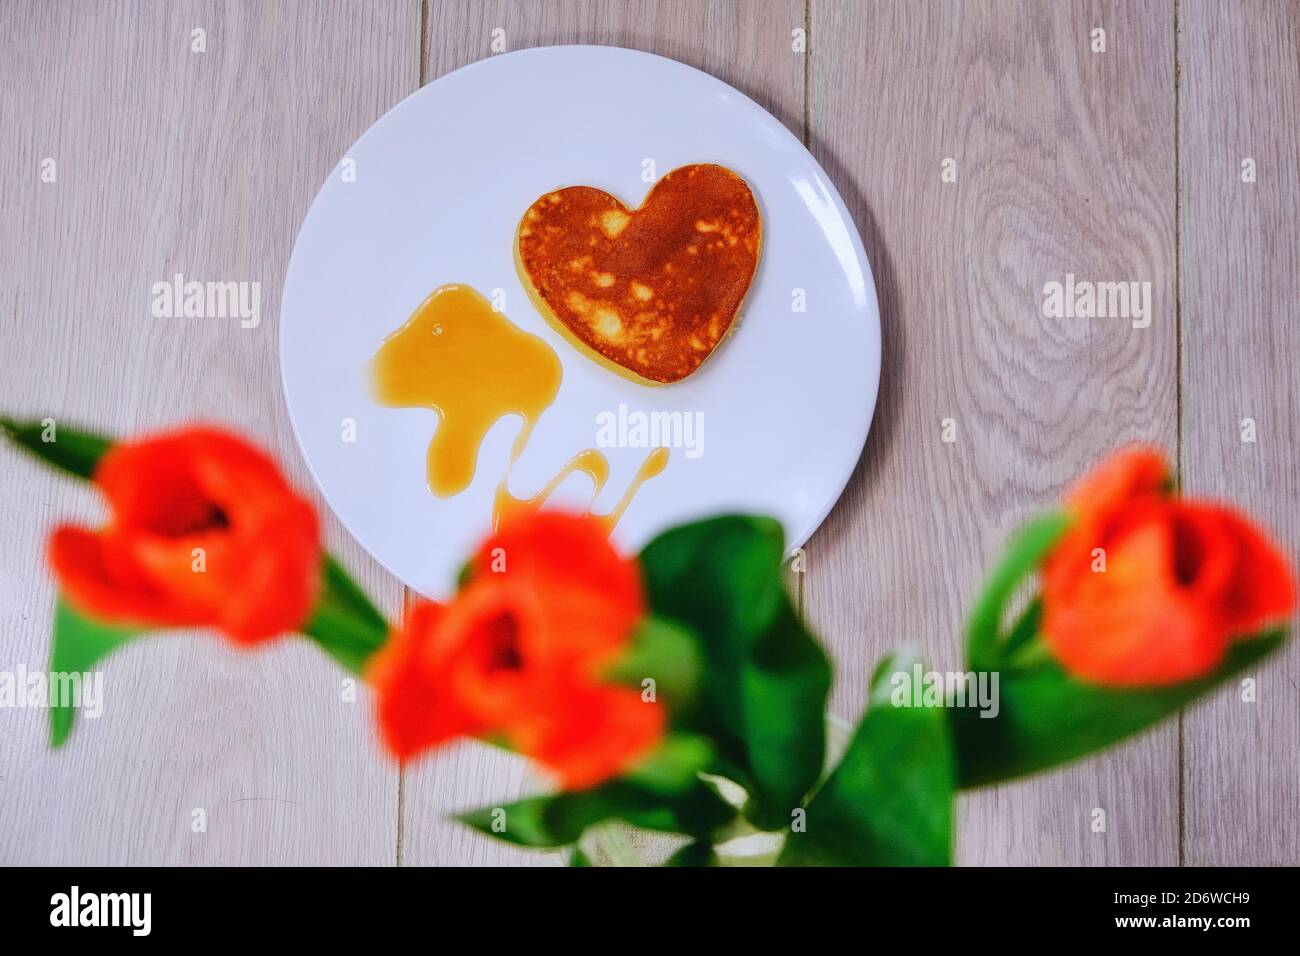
{"x": 345, "y": 623}
{"x": 1029, "y": 655}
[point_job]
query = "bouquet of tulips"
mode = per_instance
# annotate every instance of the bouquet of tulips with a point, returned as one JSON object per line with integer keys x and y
{"x": 678, "y": 690}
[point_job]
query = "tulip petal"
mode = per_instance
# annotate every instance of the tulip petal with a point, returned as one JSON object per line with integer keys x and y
{"x": 1261, "y": 589}
{"x": 78, "y": 558}
{"x": 204, "y": 530}
{"x": 414, "y": 712}
{"x": 592, "y": 735}
{"x": 558, "y": 549}
{"x": 518, "y": 655}
{"x": 1132, "y": 623}
{"x": 1135, "y": 472}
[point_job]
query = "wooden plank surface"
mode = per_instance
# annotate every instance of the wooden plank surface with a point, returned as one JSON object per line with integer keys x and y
{"x": 748, "y": 45}
{"x": 1064, "y": 164}
{"x": 172, "y": 161}
{"x": 1240, "y": 249}
{"x": 169, "y": 160}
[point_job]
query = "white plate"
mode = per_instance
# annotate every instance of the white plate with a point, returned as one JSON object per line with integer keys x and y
{"x": 432, "y": 194}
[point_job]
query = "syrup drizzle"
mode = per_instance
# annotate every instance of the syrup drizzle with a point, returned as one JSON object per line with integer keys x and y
{"x": 595, "y": 466}
{"x": 465, "y": 360}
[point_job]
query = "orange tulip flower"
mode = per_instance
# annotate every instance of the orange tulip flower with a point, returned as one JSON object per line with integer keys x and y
{"x": 518, "y": 654}
{"x": 1148, "y": 589}
{"x": 204, "y": 531}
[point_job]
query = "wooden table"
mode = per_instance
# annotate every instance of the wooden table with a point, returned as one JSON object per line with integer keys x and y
{"x": 984, "y": 148}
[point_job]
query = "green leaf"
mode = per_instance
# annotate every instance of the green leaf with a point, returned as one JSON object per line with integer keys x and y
{"x": 764, "y": 680}
{"x": 1027, "y": 549}
{"x": 1046, "y": 717}
{"x": 785, "y": 685}
{"x": 1025, "y": 628}
{"x": 72, "y": 451}
{"x": 559, "y": 820}
{"x": 345, "y": 624}
{"x": 465, "y": 575}
{"x": 673, "y": 766}
{"x": 693, "y": 854}
{"x": 578, "y": 858}
{"x": 79, "y": 644}
{"x": 666, "y": 652}
{"x": 889, "y": 802}
{"x": 347, "y": 594}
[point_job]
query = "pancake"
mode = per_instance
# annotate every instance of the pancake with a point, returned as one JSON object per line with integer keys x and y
{"x": 648, "y": 293}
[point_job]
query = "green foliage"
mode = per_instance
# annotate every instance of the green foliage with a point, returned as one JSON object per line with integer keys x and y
{"x": 79, "y": 644}
{"x": 1046, "y": 717}
{"x": 1025, "y": 552}
{"x": 889, "y": 802}
{"x": 674, "y": 765}
{"x": 344, "y": 623}
{"x": 764, "y": 680}
{"x": 693, "y": 854}
{"x": 558, "y": 820}
{"x": 665, "y": 652}
{"x": 71, "y": 451}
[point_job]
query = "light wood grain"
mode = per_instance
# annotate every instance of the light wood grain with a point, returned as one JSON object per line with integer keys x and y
{"x": 1064, "y": 164}
{"x": 201, "y": 163}
{"x": 171, "y": 161}
{"x": 748, "y": 45}
{"x": 1240, "y": 99}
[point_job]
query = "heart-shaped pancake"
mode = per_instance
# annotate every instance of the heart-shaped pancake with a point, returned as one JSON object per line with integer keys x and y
{"x": 648, "y": 292}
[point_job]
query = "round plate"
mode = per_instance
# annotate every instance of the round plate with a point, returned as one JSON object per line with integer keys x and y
{"x": 432, "y": 194}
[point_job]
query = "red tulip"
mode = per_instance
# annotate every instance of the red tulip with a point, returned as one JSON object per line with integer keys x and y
{"x": 1148, "y": 589}
{"x": 518, "y": 655}
{"x": 204, "y": 531}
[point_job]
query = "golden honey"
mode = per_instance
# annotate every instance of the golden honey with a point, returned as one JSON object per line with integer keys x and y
{"x": 595, "y": 466}
{"x": 466, "y": 361}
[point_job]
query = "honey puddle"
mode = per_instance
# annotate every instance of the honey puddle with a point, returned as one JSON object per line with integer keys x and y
{"x": 466, "y": 361}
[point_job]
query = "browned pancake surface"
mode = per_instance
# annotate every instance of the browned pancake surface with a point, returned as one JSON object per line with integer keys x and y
{"x": 655, "y": 289}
